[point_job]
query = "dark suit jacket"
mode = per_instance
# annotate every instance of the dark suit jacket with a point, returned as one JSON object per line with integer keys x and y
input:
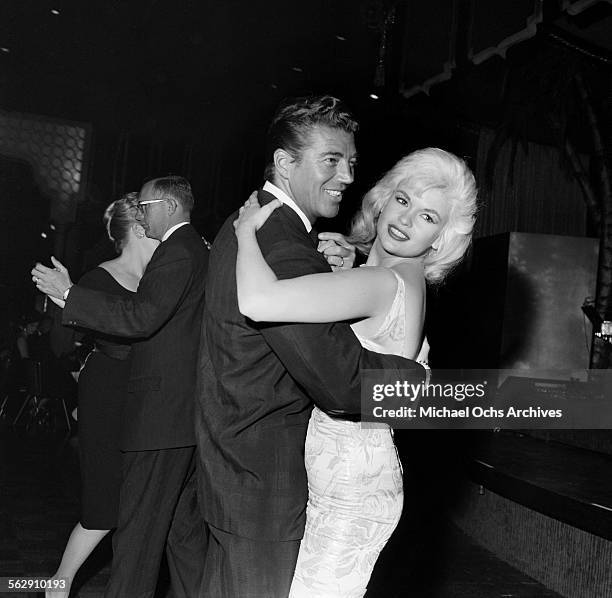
{"x": 165, "y": 313}
{"x": 257, "y": 384}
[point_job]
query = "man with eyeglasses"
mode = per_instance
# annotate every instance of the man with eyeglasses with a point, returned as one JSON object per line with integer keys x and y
{"x": 158, "y": 506}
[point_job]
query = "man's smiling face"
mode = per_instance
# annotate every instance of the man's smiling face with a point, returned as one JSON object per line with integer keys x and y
{"x": 318, "y": 179}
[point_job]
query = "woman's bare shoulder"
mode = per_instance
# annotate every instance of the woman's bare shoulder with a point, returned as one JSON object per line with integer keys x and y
{"x": 111, "y": 266}
{"x": 380, "y": 277}
{"x": 411, "y": 273}
{"x": 380, "y": 272}
{"x": 375, "y": 284}
{"x": 414, "y": 280}
{"x": 116, "y": 268}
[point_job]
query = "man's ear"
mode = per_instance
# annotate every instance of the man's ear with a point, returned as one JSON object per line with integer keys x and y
{"x": 172, "y": 206}
{"x": 283, "y": 162}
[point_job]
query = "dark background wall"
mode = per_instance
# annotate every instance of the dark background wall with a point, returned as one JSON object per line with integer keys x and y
{"x": 187, "y": 87}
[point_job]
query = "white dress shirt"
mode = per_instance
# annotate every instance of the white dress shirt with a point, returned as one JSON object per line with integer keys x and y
{"x": 286, "y": 200}
{"x": 172, "y": 229}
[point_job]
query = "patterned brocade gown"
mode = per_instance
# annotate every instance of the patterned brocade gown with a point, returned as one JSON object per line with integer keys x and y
{"x": 355, "y": 489}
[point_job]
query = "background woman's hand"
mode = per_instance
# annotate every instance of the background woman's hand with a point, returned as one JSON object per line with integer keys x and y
{"x": 252, "y": 216}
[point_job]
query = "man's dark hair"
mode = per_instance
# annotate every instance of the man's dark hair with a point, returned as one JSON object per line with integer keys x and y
{"x": 296, "y": 117}
{"x": 176, "y": 187}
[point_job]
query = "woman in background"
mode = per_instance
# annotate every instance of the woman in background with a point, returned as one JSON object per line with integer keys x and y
{"x": 102, "y": 392}
{"x": 414, "y": 225}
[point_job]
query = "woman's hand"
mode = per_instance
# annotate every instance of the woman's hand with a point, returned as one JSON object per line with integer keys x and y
{"x": 338, "y": 252}
{"x": 252, "y": 216}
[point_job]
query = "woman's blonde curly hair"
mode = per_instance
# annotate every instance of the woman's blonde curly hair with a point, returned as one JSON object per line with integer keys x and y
{"x": 419, "y": 171}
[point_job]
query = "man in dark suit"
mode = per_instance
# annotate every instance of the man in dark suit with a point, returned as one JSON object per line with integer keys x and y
{"x": 257, "y": 383}
{"x": 158, "y": 505}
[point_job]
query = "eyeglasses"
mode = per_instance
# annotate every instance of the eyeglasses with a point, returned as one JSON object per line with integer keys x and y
{"x": 140, "y": 205}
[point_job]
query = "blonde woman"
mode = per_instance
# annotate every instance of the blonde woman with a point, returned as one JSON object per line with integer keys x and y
{"x": 414, "y": 225}
{"x": 102, "y": 392}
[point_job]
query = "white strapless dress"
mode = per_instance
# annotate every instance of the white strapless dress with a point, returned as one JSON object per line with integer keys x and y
{"x": 355, "y": 489}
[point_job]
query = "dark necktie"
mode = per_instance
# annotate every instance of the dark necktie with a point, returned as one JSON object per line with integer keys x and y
{"x": 314, "y": 235}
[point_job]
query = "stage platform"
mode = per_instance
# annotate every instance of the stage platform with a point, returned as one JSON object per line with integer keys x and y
{"x": 544, "y": 507}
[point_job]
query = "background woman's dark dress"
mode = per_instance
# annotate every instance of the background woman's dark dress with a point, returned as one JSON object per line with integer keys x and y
{"x": 102, "y": 393}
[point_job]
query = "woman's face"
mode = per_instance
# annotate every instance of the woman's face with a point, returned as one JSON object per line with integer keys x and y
{"x": 411, "y": 222}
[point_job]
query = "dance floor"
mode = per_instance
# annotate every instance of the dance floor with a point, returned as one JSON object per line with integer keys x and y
{"x": 39, "y": 504}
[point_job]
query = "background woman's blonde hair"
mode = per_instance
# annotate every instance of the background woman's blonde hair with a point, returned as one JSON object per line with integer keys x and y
{"x": 419, "y": 171}
{"x": 118, "y": 217}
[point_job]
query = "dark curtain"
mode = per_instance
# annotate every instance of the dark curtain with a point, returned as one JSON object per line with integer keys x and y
{"x": 531, "y": 193}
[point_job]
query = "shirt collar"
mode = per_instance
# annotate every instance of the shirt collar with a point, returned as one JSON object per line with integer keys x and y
{"x": 172, "y": 229}
{"x": 286, "y": 200}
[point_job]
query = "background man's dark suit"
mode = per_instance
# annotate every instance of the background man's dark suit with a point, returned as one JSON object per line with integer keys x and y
{"x": 158, "y": 432}
{"x": 256, "y": 387}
